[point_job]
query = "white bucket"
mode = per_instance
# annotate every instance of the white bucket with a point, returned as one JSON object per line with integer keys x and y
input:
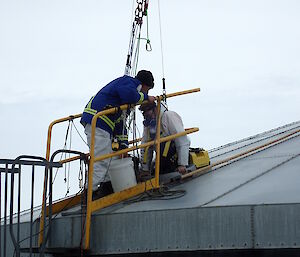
{"x": 122, "y": 174}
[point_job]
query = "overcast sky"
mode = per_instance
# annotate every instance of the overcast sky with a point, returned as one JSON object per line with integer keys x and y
{"x": 244, "y": 55}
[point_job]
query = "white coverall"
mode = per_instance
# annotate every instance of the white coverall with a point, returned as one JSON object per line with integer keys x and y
{"x": 102, "y": 146}
{"x": 171, "y": 123}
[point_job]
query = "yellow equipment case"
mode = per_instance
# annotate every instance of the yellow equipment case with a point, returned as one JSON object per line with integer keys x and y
{"x": 199, "y": 157}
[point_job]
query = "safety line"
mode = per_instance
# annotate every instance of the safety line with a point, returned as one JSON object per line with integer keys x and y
{"x": 161, "y": 41}
{"x": 255, "y": 136}
{"x": 66, "y": 205}
{"x": 206, "y": 169}
{"x": 262, "y": 139}
{"x": 251, "y": 179}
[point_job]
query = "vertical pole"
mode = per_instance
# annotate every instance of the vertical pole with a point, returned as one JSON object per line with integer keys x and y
{"x": 19, "y": 203}
{"x": 5, "y": 210}
{"x": 42, "y": 243}
{"x": 90, "y": 185}
{"x": 42, "y": 220}
{"x": 11, "y": 211}
{"x": 50, "y": 169}
{"x": 0, "y": 212}
{"x": 157, "y": 142}
{"x": 31, "y": 210}
{"x": 43, "y": 217}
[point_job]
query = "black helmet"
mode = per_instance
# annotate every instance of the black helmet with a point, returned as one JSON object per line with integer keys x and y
{"x": 146, "y": 78}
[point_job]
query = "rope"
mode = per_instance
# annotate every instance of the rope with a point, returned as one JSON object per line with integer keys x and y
{"x": 161, "y": 41}
{"x": 79, "y": 133}
{"x": 69, "y": 164}
{"x": 66, "y": 205}
{"x": 64, "y": 147}
{"x": 162, "y": 55}
{"x": 251, "y": 143}
{"x": 162, "y": 193}
{"x": 251, "y": 179}
{"x": 257, "y": 135}
{"x": 140, "y": 11}
{"x": 137, "y": 53}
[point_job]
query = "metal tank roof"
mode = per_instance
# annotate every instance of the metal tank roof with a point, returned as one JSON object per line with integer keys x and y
{"x": 250, "y": 202}
{"x": 269, "y": 176}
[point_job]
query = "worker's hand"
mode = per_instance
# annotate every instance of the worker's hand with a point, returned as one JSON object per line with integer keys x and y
{"x": 151, "y": 98}
{"x": 181, "y": 169}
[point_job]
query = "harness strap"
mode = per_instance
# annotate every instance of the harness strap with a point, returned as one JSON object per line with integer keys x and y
{"x": 93, "y": 112}
{"x": 166, "y": 149}
{"x": 146, "y": 154}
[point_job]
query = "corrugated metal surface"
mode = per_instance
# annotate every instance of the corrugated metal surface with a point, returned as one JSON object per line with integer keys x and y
{"x": 218, "y": 228}
{"x": 277, "y": 226}
{"x": 176, "y": 230}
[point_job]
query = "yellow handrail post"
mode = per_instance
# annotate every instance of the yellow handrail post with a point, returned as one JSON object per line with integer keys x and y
{"x": 49, "y": 135}
{"x": 45, "y": 184}
{"x": 157, "y": 142}
{"x": 90, "y": 183}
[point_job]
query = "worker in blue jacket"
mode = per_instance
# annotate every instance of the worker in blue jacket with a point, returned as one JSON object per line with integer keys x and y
{"x": 123, "y": 90}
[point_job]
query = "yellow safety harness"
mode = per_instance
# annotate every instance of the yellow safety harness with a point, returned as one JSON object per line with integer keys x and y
{"x": 165, "y": 152}
{"x": 91, "y": 111}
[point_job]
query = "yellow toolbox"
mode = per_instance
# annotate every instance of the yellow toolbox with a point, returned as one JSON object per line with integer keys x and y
{"x": 199, "y": 157}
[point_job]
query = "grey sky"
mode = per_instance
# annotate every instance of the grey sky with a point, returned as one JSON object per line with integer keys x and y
{"x": 244, "y": 55}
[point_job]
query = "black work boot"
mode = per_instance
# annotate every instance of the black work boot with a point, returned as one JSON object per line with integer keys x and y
{"x": 104, "y": 189}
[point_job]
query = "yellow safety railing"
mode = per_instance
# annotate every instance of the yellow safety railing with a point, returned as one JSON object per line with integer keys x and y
{"x": 98, "y": 204}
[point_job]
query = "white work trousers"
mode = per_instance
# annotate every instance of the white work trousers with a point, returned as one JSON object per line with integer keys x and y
{"x": 102, "y": 146}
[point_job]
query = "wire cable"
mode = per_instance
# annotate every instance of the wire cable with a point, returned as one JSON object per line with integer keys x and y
{"x": 161, "y": 41}
{"x": 251, "y": 143}
{"x": 162, "y": 193}
{"x": 79, "y": 133}
{"x": 251, "y": 179}
{"x": 164, "y": 100}
{"x": 66, "y": 205}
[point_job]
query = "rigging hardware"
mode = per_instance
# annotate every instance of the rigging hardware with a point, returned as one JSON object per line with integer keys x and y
{"x": 134, "y": 44}
{"x": 164, "y": 100}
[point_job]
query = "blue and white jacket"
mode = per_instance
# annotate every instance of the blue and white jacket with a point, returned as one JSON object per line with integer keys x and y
{"x": 123, "y": 90}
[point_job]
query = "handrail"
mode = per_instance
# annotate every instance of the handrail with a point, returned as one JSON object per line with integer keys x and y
{"x": 92, "y": 157}
{"x": 33, "y": 161}
{"x": 49, "y": 136}
{"x": 157, "y": 139}
{"x": 125, "y": 106}
{"x": 72, "y": 201}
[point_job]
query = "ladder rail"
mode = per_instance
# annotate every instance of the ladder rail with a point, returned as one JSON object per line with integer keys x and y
{"x": 14, "y": 167}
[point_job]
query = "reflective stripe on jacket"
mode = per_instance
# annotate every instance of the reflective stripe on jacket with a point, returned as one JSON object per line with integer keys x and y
{"x": 123, "y": 90}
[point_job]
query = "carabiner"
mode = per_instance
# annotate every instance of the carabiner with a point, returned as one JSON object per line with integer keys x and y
{"x": 148, "y": 46}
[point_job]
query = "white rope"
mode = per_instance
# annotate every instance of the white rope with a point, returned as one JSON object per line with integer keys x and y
{"x": 161, "y": 41}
